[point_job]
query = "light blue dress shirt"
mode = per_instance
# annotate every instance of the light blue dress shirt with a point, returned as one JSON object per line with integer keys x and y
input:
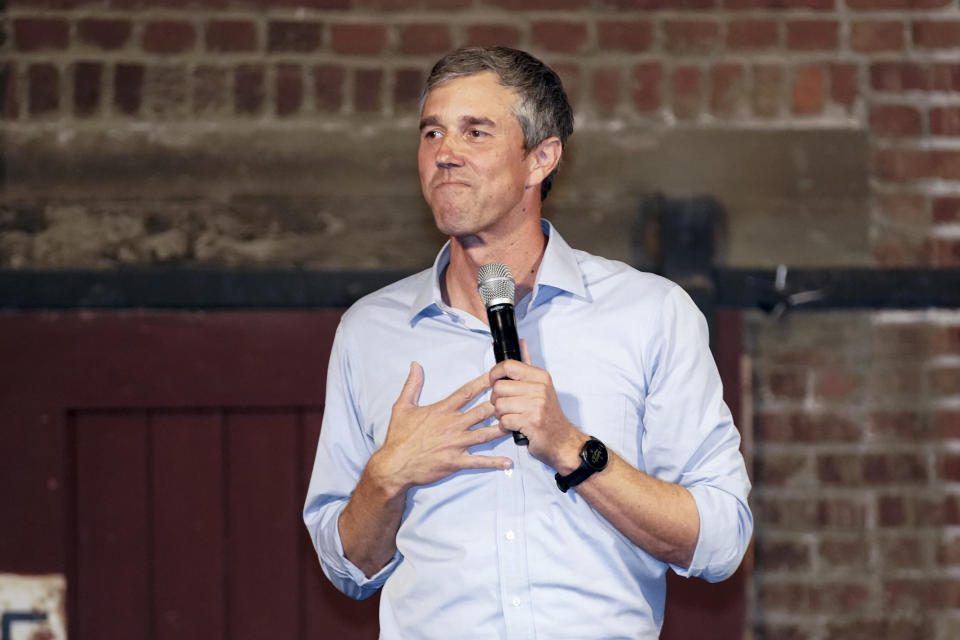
{"x": 504, "y": 554}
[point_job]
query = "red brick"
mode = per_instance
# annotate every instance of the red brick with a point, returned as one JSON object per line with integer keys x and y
{"x": 522, "y": 5}
{"x": 936, "y": 34}
{"x": 168, "y": 37}
{"x": 898, "y": 249}
{"x": 128, "y": 88}
{"x": 843, "y": 84}
{"x": 914, "y": 164}
{"x": 328, "y": 82}
{"x": 359, "y": 38}
{"x": 309, "y": 4}
{"x": 840, "y": 468}
{"x": 605, "y": 88}
{"x": 905, "y": 208}
{"x": 38, "y": 34}
{"x": 896, "y": 4}
{"x": 752, "y": 34}
{"x": 688, "y": 5}
{"x": 44, "y": 89}
{"x": 767, "y": 91}
{"x": 812, "y": 35}
{"x": 486, "y": 35}
{"x": 570, "y": 76}
{"x": 691, "y": 36}
{"x": 407, "y": 89}
{"x": 87, "y": 83}
{"x": 624, "y": 35}
{"x": 905, "y": 76}
{"x": 948, "y": 552}
{"x": 727, "y": 91}
{"x": 895, "y": 468}
{"x": 554, "y": 35}
{"x": 105, "y": 34}
{"x": 425, "y": 38}
{"x": 366, "y": 90}
{"x": 289, "y": 89}
{"x": 891, "y": 511}
{"x": 211, "y": 89}
{"x": 945, "y": 121}
{"x": 249, "y": 93}
{"x": 819, "y": 5}
{"x": 839, "y": 597}
{"x": 895, "y": 120}
{"x": 782, "y": 469}
{"x": 773, "y": 555}
{"x": 947, "y": 424}
{"x": 293, "y": 36}
{"x": 946, "y": 209}
{"x": 9, "y": 92}
{"x": 944, "y": 252}
{"x": 786, "y": 597}
{"x": 231, "y": 35}
{"x": 808, "y": 91}
{"x": 876, "y": 36}
{"x": 945, "y": 381}
{"x": 404, "y": 5}
{"x": 844, "y": 550}
{"x": 647, "y": 78}
{"x": 685, "y": 82}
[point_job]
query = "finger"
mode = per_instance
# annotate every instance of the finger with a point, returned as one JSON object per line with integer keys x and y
{"x": 516, "y": 404}
{"x": 410, "y": 394}
{"x": 525, "y": 352}
{"x": 466, "y": 393}
{"x": 513, "y": 369}
{"x": 469, "y": 461}
{"x": 482, "y": 435}
{"x": 477, "y": 414}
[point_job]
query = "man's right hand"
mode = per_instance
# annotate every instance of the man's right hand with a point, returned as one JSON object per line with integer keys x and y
{"x": 425, "y": 444}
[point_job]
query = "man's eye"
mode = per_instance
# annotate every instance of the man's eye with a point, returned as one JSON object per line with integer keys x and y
{"x": 431, "y": 135}
{"x": 476, "y": 133}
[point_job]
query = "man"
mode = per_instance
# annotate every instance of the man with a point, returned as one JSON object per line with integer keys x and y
{"x": 633, "y": 463}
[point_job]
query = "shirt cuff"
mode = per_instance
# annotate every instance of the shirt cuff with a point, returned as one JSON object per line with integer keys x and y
{"x": 720, "y": 544}
{"x": 353, "y": 581}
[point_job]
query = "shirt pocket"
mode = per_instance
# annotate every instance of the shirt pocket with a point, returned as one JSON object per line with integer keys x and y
{"x": 601, "y": 415}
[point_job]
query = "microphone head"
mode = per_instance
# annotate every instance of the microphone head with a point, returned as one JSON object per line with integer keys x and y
{"x": 496, "y": 284}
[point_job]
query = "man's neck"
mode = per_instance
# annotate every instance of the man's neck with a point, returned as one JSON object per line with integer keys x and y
{"x": 521, "y": 251}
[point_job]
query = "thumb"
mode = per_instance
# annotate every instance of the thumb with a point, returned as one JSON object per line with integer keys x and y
{"x": 410, "y": 394}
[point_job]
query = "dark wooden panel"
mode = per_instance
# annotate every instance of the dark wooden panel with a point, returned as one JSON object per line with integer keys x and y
{"x": 188, "y": 525}
{"x": 264, "y": 525}
{"x": 114, "y": 568}
{"x": 325, "y": 607}
{"x": 217, "y": 359}
{"x": 32, "y": 487}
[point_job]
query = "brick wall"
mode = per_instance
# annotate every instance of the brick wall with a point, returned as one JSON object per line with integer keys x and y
{"x": 857, "y": 446}
{"x": 250, "y": 132}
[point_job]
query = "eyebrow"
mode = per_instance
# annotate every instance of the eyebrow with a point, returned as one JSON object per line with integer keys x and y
{"x": 433, "y": 121}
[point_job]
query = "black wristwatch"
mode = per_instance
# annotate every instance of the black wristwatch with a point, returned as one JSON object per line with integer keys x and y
{"x": 593, "y": 458}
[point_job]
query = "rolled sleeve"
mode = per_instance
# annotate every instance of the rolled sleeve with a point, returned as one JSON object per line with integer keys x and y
{"x": 342, "y": 453}
{"x": 689, "y": 438}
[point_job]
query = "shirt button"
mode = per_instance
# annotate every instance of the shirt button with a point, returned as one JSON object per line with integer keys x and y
{"x": 516, "y": 602}
{"x": 511, "y": 535}
{"x": 509, "y": 471}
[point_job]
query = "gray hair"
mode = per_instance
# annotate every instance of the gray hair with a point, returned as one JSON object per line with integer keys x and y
{"x": 542, "y": 108}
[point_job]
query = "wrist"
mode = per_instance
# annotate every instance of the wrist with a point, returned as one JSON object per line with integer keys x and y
{"x": 568, "y": 458}
{"x": 386, "y": 477}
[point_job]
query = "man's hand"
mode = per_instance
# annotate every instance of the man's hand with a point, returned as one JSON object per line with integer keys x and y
{"x": 425, "y": 444}
{"x": 525, "y": 400}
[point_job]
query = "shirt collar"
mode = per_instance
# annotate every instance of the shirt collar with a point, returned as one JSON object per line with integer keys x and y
{"x": 559, "y": 271}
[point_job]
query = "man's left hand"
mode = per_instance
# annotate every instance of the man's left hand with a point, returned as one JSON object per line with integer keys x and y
{"x": 525, "y": 400}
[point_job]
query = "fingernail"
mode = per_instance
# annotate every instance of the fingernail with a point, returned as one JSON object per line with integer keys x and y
{"x": 508, "y": 464}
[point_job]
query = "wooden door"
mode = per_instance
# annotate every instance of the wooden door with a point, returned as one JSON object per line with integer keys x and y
{"x": 159, "y": 461}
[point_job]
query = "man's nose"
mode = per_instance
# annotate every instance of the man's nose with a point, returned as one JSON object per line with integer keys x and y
{"x": 449, "y": 153}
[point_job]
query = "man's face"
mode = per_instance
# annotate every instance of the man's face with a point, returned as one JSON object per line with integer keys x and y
{"x": 473, "y": 168}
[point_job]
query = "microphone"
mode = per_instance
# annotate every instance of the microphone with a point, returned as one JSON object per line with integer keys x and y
{"x": 497, "y": 290}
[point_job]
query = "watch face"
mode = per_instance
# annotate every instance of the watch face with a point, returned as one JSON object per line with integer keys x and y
{"x": 595, "y": 454}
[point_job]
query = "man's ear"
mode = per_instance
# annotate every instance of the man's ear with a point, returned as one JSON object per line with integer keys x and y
{"x": 544, "y": 159}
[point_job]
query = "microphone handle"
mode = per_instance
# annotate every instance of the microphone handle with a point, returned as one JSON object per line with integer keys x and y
{"x": 506, "y": 343}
